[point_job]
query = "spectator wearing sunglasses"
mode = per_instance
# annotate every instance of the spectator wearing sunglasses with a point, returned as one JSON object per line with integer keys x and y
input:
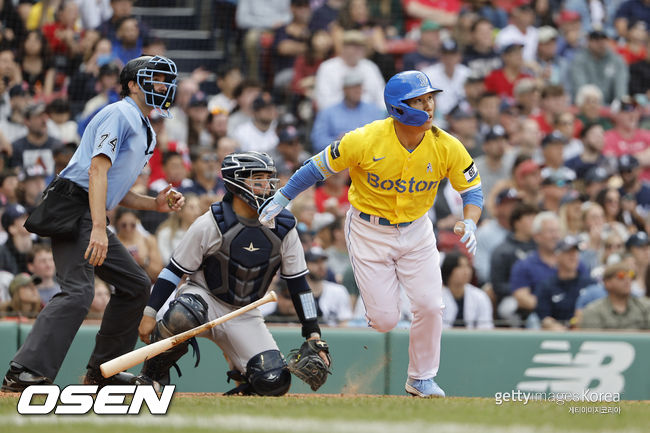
{"x": 619, "y": 309}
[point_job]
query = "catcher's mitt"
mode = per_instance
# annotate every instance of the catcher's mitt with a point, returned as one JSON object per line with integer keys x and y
{"x": 307, "y": 364}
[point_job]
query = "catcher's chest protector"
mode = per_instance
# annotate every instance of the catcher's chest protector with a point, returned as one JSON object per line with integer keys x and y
{"x": 241, "y": 271}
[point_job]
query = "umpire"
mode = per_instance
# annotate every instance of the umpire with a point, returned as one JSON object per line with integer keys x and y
{"x": 115, "y": 146}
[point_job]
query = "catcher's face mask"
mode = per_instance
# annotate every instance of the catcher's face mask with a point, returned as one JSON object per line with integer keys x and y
{"x": 261, "y": 185}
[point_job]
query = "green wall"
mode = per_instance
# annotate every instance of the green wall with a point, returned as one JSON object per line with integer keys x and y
{"x": 473, "y": 363}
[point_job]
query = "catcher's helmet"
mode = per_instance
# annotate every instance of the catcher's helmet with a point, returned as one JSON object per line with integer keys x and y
{"x": 238, "y": 167}
{"x": 142, "y": 70}
{"x": 403, "y": 86}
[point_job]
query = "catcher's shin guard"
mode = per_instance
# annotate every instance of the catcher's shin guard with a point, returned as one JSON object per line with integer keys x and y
{"x": 185, "y": 312}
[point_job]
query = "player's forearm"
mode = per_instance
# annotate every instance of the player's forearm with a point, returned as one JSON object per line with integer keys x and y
{"x": 97, "y": 187}
{"x": 303, "y": 301}
{"x": 136, "y": 201}
{"x": 472, "y": 212}
{"x": 167, "y": 281}
{"x": 314, "y": 170}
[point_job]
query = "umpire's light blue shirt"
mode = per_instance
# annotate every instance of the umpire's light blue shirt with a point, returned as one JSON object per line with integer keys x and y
{"x": 118, "y": 131}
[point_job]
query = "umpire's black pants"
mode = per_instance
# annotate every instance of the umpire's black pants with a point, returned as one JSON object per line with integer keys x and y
{"x": 56, "y": 326}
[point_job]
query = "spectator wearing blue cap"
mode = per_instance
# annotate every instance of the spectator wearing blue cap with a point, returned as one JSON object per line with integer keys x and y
{"x": 553, "y": 150}
{"x": 630, "y": 12}
{"x": 630, "y": 170}
{"x": 13, "y": 254}
{"x": 557, "y": 296}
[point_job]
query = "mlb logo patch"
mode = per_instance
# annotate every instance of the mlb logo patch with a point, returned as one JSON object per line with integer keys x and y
{"x": 470, "y": 172}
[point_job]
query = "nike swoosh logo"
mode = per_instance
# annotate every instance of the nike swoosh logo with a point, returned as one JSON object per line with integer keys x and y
{"x": 378, "y": 159}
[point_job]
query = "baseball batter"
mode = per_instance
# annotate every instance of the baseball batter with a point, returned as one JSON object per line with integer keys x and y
{"x": 396, "y": 166}
{"x": 231, "y": 259}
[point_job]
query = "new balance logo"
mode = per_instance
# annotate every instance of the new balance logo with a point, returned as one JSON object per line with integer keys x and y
{"x": 597, "y": 362}
{"x": 250, "y": 248}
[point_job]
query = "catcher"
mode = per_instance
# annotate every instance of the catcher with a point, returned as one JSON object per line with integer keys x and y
{"x": 230, "y": 259}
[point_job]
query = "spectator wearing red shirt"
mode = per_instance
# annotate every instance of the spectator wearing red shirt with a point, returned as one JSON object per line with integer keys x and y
{"x": 320, "y": 47}
{"x": 626, "y": 137}
{"x": 443, "y": 12}
{"x": 502, "y": 81}
{"x": 61, "y": 34}
{"x": 554, "y": 102}
{"x": 333, "y": 195}
{"x": 634, "y": 49}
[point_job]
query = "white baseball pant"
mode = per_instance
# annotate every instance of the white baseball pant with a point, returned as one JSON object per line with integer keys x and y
{"x": 383, "y": 257}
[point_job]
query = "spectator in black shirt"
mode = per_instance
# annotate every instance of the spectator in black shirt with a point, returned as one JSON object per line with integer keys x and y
{"x": 557, "y": 296}
{"x": 519, "y": 242}
{"x": 13, "y": 254}
{"x": 36, "y": 147}
{"x": 481, "y": 56}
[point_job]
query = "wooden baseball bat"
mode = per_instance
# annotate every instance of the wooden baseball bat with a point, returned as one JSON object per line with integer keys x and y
{"x": 135, "y": 357}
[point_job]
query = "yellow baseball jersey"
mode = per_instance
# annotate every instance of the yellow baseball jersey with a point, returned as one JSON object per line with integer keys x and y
{"x": 391, "y": 182}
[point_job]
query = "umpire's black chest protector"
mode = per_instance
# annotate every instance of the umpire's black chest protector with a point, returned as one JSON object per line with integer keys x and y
{"x": 241, "y": 270}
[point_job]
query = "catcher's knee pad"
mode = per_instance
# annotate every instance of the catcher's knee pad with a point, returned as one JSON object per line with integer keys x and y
{"x": 185, "y": 312}
{"x": 267, "y": 373}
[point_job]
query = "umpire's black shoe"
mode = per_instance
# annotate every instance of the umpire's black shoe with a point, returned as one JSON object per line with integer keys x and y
{"x": 94, "y": 377}
{"x": 18, "y": 378}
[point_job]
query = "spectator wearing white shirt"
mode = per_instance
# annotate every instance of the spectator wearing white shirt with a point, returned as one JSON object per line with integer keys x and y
{"x": 228, "y": 78}
{"x": 329, "y": 76}
{"x": 465, "y": 305}
{"x": 332, "y": 300}
{"x": 259, "y": 133}
{"x": 448, "y": 74}
{"x": 520, "y": 30}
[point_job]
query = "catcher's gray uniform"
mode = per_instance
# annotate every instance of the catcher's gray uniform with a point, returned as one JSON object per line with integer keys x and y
{"x": 244, "y": 336}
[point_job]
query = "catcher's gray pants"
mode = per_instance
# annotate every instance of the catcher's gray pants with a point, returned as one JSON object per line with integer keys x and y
{"x": 47, "y": 344}
{"x": 240, "y": 338}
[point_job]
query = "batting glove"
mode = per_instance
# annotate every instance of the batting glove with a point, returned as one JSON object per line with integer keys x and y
{"x": 271, "y": 208}
{"x": 469, "y": 238}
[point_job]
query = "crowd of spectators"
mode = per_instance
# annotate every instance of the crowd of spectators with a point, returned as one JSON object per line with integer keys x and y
{"x": 551, "y": 99}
